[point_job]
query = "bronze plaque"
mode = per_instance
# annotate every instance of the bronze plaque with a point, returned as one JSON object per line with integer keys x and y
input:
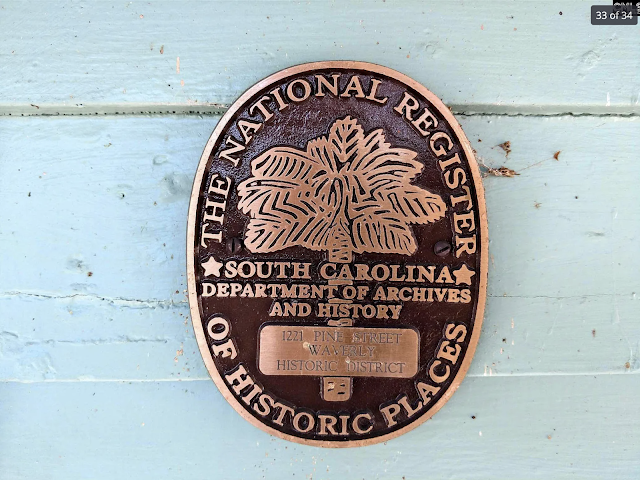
{"x": 337, "y": 254}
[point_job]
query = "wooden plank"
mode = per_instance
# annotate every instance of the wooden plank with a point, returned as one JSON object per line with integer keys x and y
{"x": 99, "y": 208}
{"x": 561, "y": 228}
{"x": 558, "y": 271}
{"x": 528, "y": 427}
{"x": 544, "y": 56}
{"x": 109, "y": 196}
{"x": 87, "y": 338}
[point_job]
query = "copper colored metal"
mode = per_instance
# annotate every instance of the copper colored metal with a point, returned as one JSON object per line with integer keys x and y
{"x": 337, "y": 254}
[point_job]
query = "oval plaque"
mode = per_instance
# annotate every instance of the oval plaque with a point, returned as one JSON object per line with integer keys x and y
{"x": 337, "y": 254}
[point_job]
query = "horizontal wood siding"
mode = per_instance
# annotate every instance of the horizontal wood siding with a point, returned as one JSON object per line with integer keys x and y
{"x": 500, "y": 55}
{"x": 100, "y": 376}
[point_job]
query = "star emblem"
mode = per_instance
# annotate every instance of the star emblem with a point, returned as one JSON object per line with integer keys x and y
{"x": 212, "y": 267}
{"x": 463, "y": 275}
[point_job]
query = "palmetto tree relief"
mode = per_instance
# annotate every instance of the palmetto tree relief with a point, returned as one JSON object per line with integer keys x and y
{"x": 347, "y": 192}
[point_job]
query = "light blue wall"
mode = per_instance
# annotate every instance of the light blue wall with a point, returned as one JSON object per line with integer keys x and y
{"x": 100, "y": 376}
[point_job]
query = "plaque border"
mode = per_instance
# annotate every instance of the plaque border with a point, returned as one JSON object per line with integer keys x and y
{"x": 484, "y": 251}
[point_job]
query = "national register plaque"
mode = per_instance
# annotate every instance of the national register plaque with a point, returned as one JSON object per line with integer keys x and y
{"x": 337, "y": 254}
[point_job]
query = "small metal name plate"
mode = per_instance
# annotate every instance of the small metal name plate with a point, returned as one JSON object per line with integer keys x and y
{"x": 338, "y": 351}
{"x": 337, "y": 254}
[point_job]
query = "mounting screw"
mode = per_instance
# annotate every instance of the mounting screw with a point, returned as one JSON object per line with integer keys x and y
{"x": 234, "y": 246}
{"x": 442, "y": 248}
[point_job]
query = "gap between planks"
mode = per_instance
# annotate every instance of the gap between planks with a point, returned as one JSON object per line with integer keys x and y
{"x": 29, "y": 110}
{"x": 157, "y": 303}
{"x": 207, "y": 379}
